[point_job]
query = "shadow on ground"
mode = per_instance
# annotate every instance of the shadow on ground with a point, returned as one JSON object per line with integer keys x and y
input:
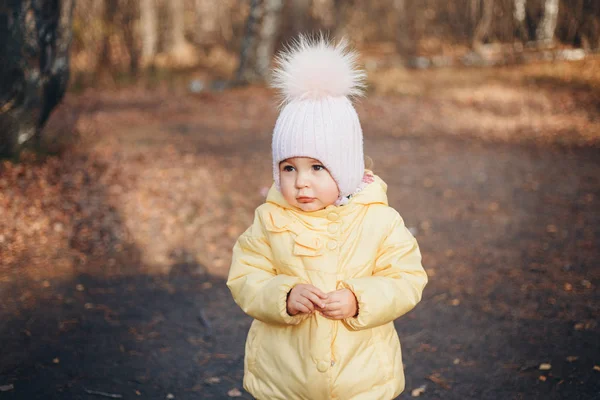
{"x": 130, "y": 335}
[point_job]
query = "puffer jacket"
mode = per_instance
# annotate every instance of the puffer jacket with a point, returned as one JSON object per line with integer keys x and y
{"x": 363, "y": 246}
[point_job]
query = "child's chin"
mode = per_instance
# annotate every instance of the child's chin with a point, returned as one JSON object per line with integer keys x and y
{"x": 308, "y": 207}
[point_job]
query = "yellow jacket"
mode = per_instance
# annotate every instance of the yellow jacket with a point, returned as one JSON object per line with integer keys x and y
{"x": 363, "y": 246}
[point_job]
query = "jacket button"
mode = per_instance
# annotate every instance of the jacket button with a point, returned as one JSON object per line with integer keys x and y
{"x": 332, "y": 245}
{"x": 333, "y": 228}
{"x": 333, "y": 216}
{"x": 322, "y": 366}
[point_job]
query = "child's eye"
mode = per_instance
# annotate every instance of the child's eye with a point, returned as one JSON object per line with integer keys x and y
{"x": 288, "y": 168}
{"x": 318, "y": 167}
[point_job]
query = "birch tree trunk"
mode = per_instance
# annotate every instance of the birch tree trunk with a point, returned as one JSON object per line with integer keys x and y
{"x": 519, "y": 15}
{"x": 244, "y": 72}
{"x": 268, "y": 36}
{"x": 177, "y": 31}
{"x": 181, "y": 52}
{"x": 259, "y": 40}
{"x": 149, "y": 28}
{"x": 546, "y": 28}
{"x": 208, "y": 13}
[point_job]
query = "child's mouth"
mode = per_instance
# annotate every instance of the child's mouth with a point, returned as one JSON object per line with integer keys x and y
{"x": 305, "y": 200}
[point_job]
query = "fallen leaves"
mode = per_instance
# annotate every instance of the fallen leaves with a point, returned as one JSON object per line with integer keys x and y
{"x": 235, "y": 392}
{"x": 437, "y": 379}
{"x": 568, "y": 287}
{"x": 418, "y": 391}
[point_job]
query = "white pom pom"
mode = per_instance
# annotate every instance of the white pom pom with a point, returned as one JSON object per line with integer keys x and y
{"x": 314, "y": 68}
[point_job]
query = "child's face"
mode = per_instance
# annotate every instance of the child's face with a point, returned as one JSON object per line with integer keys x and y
{"x": 305, "y": 183}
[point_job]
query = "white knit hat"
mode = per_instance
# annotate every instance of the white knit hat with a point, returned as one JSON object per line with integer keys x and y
{"x": 316, "y": 80}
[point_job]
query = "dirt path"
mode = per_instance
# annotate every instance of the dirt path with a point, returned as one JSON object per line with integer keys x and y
{"x": 120, "y": 289}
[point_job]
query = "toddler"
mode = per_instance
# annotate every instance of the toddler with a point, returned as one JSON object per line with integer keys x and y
{"x": 327, "y": 265}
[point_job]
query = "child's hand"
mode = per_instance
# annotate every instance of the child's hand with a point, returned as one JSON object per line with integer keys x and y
{"x": 305, "y": 298}
{"x": 340, "y": 305}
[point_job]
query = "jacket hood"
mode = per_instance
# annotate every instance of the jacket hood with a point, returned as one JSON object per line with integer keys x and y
{"x": 373, "y": 193}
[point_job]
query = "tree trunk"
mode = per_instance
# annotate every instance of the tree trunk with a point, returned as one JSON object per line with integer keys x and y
{"x": 149, "y": 28}
{"x": 483, "y": 27}
{"x": 130, "y": 13}
{"x": 177, "y": 31}
{"x": 182, "y": 53}
{"x": 268, "y": 37}
{"x": 108, "y": 28}
{"x": 207, "y": 22}
{"x": 547, "y": 26}
{"x": 300, "y": 15}
{"x": 245, "y": 72}
{"x": 341, "y": 10}
{"x": 35, "y": 37}
{"x": 408, "y": 30}
{"x": 520, "y": 7}
{"x": 474, "y": 6}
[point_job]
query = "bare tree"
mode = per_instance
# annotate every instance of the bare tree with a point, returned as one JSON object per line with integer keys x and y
{"x": 474, "y": 6}
{"x": 547, "y": 26}
{"x": 177, "y": 31}
{"x": 259, "y": 40}
{"x": 207, "y": 22}
{"x": 520, "y": 7}
{"x": 482, "y": 31}
{"x": 408, "y": 30}
{"x": 244, "y": 72}
{"x": 128, "y": 17}
{"x": 268, "y": 36}
{"x": 149, "y": 30}
{"x": 110, "y": 11}
{"x": 300, "y": 15}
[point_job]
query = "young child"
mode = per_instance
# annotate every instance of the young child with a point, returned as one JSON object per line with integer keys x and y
{"x": 327, "y": 265}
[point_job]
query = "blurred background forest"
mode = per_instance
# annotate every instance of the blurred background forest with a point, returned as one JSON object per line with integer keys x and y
{"x": 235, "y": 39}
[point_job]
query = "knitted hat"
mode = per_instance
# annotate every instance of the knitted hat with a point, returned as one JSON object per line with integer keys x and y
{"x": 316, "y": 80}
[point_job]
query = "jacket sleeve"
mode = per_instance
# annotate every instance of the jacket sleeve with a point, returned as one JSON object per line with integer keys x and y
{"x": 397, "y": 282}
{"x": 254, "y": 282}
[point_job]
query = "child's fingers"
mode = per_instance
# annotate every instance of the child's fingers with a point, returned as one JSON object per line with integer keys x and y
{"x": 316, "y": 300}
{"x": 333, "y": 305}
{"x": 318, "y": 292}
{"x": 306, "y": 303}
{"x": 302, "y": 308}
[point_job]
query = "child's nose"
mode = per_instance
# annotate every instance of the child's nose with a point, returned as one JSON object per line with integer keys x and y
{"x": 301, "y": 181}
